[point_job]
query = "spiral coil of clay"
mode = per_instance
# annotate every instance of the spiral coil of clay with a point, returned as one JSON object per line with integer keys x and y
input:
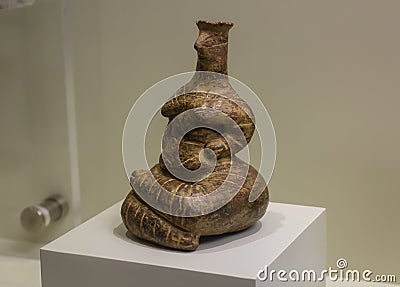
{"x": 199, "y": 187}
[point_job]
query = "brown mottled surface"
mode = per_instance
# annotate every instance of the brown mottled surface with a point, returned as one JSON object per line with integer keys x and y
{"x": 213, "y": 92}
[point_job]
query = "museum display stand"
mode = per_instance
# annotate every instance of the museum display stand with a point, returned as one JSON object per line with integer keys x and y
{"x": 100, "y": 253}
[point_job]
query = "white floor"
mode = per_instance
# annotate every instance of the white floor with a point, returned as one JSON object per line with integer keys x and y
{"x": 23, "y": 272}
{"x": 19, "y": 272}
{"x": 19, "y": 263}
{"x": 358, "y": 284}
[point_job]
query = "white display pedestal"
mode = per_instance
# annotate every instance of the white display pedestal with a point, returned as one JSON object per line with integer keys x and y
{"x": 98, "y": 253}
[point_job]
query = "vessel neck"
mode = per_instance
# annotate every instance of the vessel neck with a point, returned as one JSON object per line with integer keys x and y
{"x": 212, "y": 46}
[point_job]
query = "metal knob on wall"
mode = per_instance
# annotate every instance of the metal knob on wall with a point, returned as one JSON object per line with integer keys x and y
{"x": 38, "y": 217}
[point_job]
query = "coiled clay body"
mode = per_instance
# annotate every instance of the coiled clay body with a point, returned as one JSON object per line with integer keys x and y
{"x": 215, "y": 93}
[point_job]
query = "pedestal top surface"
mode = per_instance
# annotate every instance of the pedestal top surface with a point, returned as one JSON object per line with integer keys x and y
{"x": 104, "y": 236}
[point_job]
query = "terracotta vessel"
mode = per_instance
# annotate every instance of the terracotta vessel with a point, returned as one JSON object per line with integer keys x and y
{"x": 205, "y": 93}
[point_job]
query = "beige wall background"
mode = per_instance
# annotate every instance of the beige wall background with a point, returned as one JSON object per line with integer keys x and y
{"x": 34, "y": 159}
{"x": 328, "y": 72}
